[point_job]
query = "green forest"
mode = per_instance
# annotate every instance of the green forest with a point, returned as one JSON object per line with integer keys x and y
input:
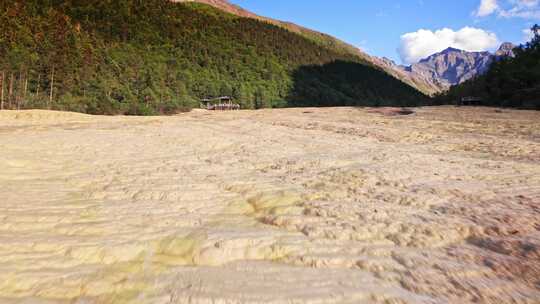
{"x": 158, "y": 57}
{"x": 509, "y": 82}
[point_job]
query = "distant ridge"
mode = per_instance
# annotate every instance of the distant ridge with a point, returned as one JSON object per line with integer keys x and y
{"x": 452, "y": 66}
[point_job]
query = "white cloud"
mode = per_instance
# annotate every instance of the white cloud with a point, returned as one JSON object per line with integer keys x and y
{"x": 486, "y": 8}
{"x": 423, "y": 43}
{"x": 527, "y": 9}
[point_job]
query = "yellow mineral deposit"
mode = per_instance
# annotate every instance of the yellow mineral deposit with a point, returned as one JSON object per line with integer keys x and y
{"x": 275, "y": 206}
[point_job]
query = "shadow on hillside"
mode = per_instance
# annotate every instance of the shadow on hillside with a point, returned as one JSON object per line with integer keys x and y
{"x": 345, "y": 83}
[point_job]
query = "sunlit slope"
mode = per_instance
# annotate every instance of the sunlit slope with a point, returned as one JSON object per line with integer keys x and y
{"x": 158, "y": 57}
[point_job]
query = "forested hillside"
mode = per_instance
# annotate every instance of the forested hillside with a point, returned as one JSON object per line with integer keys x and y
{"x": 510, "y": 82}
{"x": 155, "y": 56}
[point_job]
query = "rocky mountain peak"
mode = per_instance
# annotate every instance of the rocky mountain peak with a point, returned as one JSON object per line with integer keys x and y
{"x": 454, "y": 66}
{"x": 506, "y": 50}
{"x": 451, "y": 50}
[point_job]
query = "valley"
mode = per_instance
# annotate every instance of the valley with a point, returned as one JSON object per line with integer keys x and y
{"x": 325, "y": 205}
{"x": 200, "y": 152}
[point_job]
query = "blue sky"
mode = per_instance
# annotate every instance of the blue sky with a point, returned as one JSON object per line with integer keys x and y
{"x": 378, "y": 26}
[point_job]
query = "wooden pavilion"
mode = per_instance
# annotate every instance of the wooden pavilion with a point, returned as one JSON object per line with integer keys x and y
{"x": 223, "y": 103}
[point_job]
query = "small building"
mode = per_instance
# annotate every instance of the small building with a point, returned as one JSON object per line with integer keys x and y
{"x": 223, "y": 103}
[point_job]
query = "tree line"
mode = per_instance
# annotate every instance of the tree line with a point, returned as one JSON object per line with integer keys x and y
{"x": 155, "y": 56}
{"x": 15, "y": 93}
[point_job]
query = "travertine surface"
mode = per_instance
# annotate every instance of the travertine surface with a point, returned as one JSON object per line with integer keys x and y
{"x": 277, "y": 206}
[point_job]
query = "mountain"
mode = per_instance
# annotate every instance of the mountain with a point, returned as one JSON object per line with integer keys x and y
{"x": 417, "y": 80}
{"x": 506, "y": 50}
{"x": 431, "y": 76}
{"x": 157, "y": 56}
{"x": 453, "y": 66}
{"x": 512, "y": 80}
{"x": 420, "y": 83}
